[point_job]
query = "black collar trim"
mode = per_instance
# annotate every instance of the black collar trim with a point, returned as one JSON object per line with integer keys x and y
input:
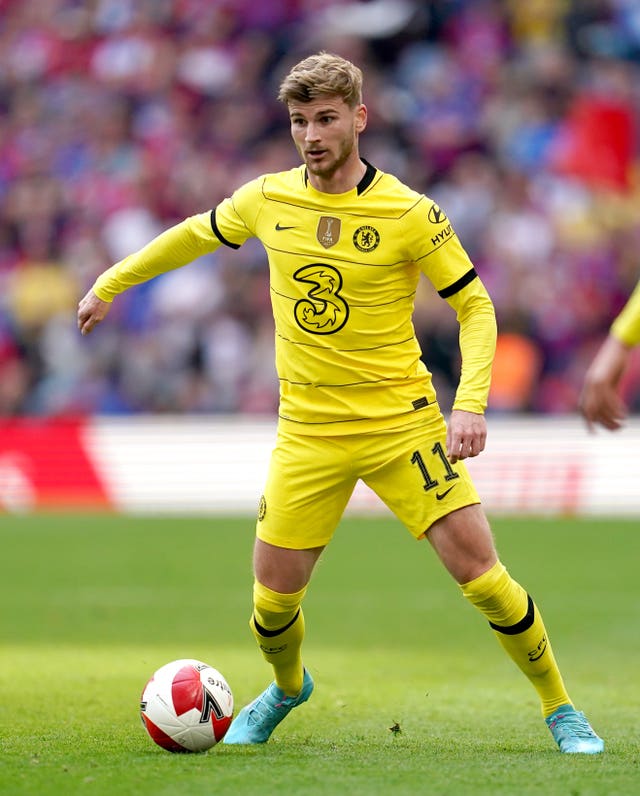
{"x": 365, "y": 182}
{"x": 367, "y": 177}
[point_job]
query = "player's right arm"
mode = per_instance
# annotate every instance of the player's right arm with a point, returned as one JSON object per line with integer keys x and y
{"x": 91, "y": 310}
{"x": 230, "y": 223}
{"x": 177, "y": 246}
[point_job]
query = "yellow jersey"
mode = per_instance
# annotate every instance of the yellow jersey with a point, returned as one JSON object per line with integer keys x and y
{"x": 626, "y": 327}
{"x": 344, "y": 269}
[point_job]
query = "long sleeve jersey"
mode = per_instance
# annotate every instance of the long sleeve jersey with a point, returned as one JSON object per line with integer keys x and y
{"x": 626, "y": 327}
{"x": 344, "y": 269}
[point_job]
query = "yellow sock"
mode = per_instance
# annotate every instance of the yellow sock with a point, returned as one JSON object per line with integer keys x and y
{"x": 278, "y": 625}
{"x": 518, "y": 626}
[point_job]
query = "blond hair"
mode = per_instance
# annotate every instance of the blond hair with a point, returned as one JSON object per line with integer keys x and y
{"x": 322, "y": 74}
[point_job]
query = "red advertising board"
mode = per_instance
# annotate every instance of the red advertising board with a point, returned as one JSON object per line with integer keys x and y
{"x": 44, "y": 465}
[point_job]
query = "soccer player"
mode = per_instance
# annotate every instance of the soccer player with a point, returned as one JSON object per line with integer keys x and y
{"x": 346, "y": 245}
{"x": 600, "y": 400}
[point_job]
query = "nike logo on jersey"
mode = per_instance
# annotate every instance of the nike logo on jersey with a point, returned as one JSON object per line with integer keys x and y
{"x": 280, "y": 228}
{"x": 441, "y": 495}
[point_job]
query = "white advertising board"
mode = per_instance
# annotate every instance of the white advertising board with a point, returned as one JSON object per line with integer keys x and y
{"x": 531, "y": 465}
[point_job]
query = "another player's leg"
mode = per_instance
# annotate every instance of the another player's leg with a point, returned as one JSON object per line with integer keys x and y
{"x": 464, "y": 543}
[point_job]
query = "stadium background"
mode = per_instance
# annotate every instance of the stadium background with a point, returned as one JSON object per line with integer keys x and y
{"x": 120, "y": 118}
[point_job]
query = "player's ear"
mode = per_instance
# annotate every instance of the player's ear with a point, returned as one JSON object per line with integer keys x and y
{"x": 361, "y": 118}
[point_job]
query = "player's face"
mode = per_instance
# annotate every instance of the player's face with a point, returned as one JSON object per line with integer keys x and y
{"x": 325, "y": 132}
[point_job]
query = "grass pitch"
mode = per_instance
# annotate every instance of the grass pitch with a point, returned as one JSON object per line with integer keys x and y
{"x": 92, "y": 605}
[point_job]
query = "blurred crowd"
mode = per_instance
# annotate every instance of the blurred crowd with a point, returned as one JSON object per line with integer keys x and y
{"x": 119, "y": 118}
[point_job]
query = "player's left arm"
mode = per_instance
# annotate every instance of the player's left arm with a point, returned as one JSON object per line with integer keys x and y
{"x": 447, "y": 265}
{"x": 467, "y": 427}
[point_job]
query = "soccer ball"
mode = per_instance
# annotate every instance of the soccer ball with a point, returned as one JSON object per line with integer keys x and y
{"x": 186, "y": 706}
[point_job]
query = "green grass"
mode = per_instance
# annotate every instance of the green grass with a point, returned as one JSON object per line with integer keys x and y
{"x": 90, "y": 606}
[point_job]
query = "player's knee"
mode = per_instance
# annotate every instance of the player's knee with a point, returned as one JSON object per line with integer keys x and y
{"x": 464, "y": 543}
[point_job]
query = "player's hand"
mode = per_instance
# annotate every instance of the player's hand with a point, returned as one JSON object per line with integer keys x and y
{"x": 600, "y": 401}
{"x": 466, "y": 435}
{"x": 601, "y": 404}
{"x": 91, "y": 311}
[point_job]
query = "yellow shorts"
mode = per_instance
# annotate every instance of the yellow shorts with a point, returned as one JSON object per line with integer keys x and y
{"x": 311, "y": 479}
